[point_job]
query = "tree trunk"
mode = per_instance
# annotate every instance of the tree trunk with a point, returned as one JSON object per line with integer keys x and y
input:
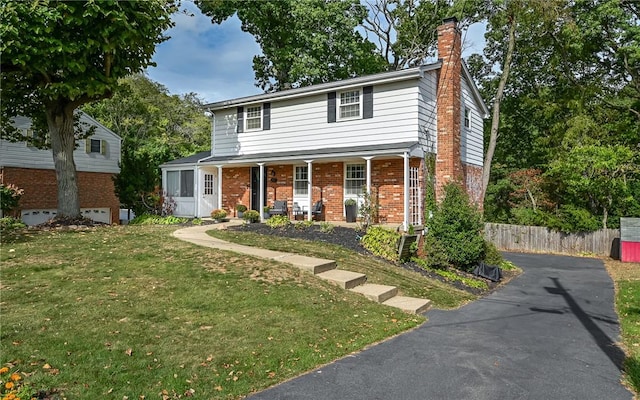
{"x": 61, "y": 130}
{"x": 495, "y": 122}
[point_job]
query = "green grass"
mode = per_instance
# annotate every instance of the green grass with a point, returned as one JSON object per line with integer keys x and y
{"x": 377, "y": 271}
{"x": 132, "y": 311}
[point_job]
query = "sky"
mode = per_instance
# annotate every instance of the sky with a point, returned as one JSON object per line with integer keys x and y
{"x": 215, "y": 61}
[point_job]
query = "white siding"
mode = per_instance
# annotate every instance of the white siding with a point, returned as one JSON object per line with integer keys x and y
{"x": 301, "y": 124}
{"x": 471, "y": 139}
{"x": 21, "y": 156}
{"x": 427, "y": 111}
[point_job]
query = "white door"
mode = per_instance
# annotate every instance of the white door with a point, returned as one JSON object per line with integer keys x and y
{"x": 208, "y": 196}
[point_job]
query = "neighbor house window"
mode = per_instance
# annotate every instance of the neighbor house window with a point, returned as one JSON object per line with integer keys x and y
{"x": 254, "y": 117}
{"x": 354, "y": 179}
{"x": 180, "y": 183}
{"x": 300, "y": 179}
{"x": 95, "y": 146}
{"x": 349, "y": 104}
{"x": 467, "y": 118}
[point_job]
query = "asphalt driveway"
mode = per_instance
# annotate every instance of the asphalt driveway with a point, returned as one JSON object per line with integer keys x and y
{"x": 549, "y": 334}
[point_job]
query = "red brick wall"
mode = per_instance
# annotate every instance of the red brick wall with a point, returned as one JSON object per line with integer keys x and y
{"x": 448, "y": 161}
{"x": 96, "y": 190}
{"x": 328, "y": 185}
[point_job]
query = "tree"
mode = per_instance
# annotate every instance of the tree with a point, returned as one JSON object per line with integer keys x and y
{"x": 155, "y": 127}
{"x": 303, "y": 42}
{"x": 57, "y": 56}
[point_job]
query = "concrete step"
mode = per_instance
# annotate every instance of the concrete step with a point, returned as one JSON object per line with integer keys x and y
{"x": 309, "y": 264}
{"x": 409, "y": 304}
{"x": 375, "y": 292}
{"x": 344, "y": 279}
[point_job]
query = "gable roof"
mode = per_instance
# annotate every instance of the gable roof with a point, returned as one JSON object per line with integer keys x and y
{"x": 383, "y": 77}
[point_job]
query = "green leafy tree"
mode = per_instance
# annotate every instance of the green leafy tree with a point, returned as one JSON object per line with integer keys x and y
{"x": 57, "y": 56}
{"x": 155, "y": 127}
{"x": 303, "y": 42}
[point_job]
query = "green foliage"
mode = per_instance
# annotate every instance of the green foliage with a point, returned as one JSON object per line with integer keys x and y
{"x": 369, "y": 209}
{"x": 572, "y": 219}
{"x": 382, "y": 242}
{"x": 251, "y": 216}
{"x": 10, "y": 229}
{"x": 196, "y": 221}
{"x": 57, "y": 56}
{"x": 435, "y": 253}
{"x": 9, "y": 197}
{"x": 302, "y": 42}
{"x": 457, "y": 225}
{"x": 151, "y": 219}
{"x": 278, "y": 221}
{"x": 218, "y": 214}
{"x": 452, "y": 275}
{"x": 326, "y": 227}
{"x": 302, "y": 225}
{"x": 491, "y": 254}
{"x": 350, "y": 202}
{"x": 241, "y": 208}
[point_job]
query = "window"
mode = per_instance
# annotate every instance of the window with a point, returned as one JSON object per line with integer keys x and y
{"x": 300, "y": 179}
{"x": 95, "y": 146}
{"x": 354, "y": 179}
{"x": 467, "y": 118}
{"x": 180, "y": 183}
{"x": 254, "y": 117}
{"x": 208, "y": 184}
{"x": 349, "y": 104}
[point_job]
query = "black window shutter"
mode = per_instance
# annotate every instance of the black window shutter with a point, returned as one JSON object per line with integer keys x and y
{"x": 367, "y": 102}
{"x": 331, "y": 107}
{"x": 240, "y": 120}
{"x": 266, "y": 116}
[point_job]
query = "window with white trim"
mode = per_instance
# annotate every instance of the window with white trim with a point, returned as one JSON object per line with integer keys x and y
{"x": 300, "y": 179}
{"x": 354, "y": 179}
{"x": 209, "y": 182}
{"x": 254, "y": 118}
{"x": 467, "y": 118}
{"x": 349, "y": 106}
{"x": 180, "y": 183}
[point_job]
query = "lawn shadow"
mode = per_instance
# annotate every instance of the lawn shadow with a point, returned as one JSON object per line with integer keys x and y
{"x": 606, "y": 344}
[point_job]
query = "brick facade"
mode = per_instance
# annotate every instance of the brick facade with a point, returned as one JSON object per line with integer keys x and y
{"x": 387, "y": 180}
{"x": 448, "y": 162}
{"x": 96, "y": 190}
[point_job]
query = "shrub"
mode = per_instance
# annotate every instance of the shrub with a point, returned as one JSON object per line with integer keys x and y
{"x": 350, "y": 202}
{"x": 251, "y": 216}
{"x": 218, "y": 214}
{"x": 9, "y": 197}
{"x": 278, "y": 221}
{"x": 9, "y": 228}
{"x": 458, "y": 226}
{"x": 435, "y": 254}
{"x": 491, "y": 254}
{"x": 326, "y": 227}
{"x": 241, "y": 208}
{"x": 382, "y": 242}
{"x": 150, "y": 219}
{"x": 302, "y": 225}
{"x": 369, "y": 209}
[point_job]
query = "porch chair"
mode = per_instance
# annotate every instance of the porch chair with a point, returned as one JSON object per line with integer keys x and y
{"x": 316, "y": 211}
{"x": 279, "y": 208}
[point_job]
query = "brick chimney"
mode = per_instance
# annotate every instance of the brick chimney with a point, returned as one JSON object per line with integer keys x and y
{"x": 448, "y": 160}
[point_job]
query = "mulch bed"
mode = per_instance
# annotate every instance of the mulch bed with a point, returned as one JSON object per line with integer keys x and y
{"x": 350, "y": 238}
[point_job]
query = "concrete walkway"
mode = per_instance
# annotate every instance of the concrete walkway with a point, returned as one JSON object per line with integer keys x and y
{"x": 549, "y": 334}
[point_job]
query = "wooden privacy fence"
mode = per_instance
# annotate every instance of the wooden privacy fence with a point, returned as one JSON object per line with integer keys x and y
{"x": 538, "y": 239}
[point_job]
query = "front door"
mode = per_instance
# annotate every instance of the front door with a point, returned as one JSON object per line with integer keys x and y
{"x": 208, "y": 198}
{"x": 255, "y": 188}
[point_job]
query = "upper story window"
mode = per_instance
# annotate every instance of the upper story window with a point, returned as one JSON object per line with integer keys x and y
{"x": 95, "y": 146}
{"x": 254, "y": 117}
{"x": 349, "y": 104}
{"x": 467, "y": 118}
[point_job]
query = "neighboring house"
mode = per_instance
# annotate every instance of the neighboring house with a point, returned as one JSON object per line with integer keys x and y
{"x": 32, "y": 169}
{"x": 336, "y": 140}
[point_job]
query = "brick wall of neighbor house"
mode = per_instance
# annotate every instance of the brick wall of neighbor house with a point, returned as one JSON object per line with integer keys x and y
{"x": 448, "y": 161}
{"x": 473, "y": 183}
{"x": 236, "y": 188}
{"x": 96, "y": 190}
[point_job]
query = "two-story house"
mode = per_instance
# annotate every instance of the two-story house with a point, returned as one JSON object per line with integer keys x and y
{"x": 334, "y": 141}
{"x": 31, "y": 169}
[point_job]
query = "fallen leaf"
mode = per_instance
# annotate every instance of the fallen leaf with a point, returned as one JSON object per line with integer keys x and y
{"x": 218, "y": 388}
{"x": 46, "y": 366}
{"x": 129, "y": 352}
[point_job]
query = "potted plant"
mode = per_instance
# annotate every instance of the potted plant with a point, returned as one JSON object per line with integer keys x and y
{"x": 251, "y": 216}
{"x": 351, "y": 209}
{"x": 266, "y": 210}
{"x": 218, "y": 215}
{"x": 240, "y": 208}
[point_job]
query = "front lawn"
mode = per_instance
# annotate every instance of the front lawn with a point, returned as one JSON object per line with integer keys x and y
{"x": 131, "y": 312}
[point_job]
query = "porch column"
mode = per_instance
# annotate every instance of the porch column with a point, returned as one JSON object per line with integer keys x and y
{"x": 219, "y": 185}
{"x": 310, "y": 188}
{"x": 261, "y": 186}
{"x": 405, "y": 222}
{"x": 368, "y": 159}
